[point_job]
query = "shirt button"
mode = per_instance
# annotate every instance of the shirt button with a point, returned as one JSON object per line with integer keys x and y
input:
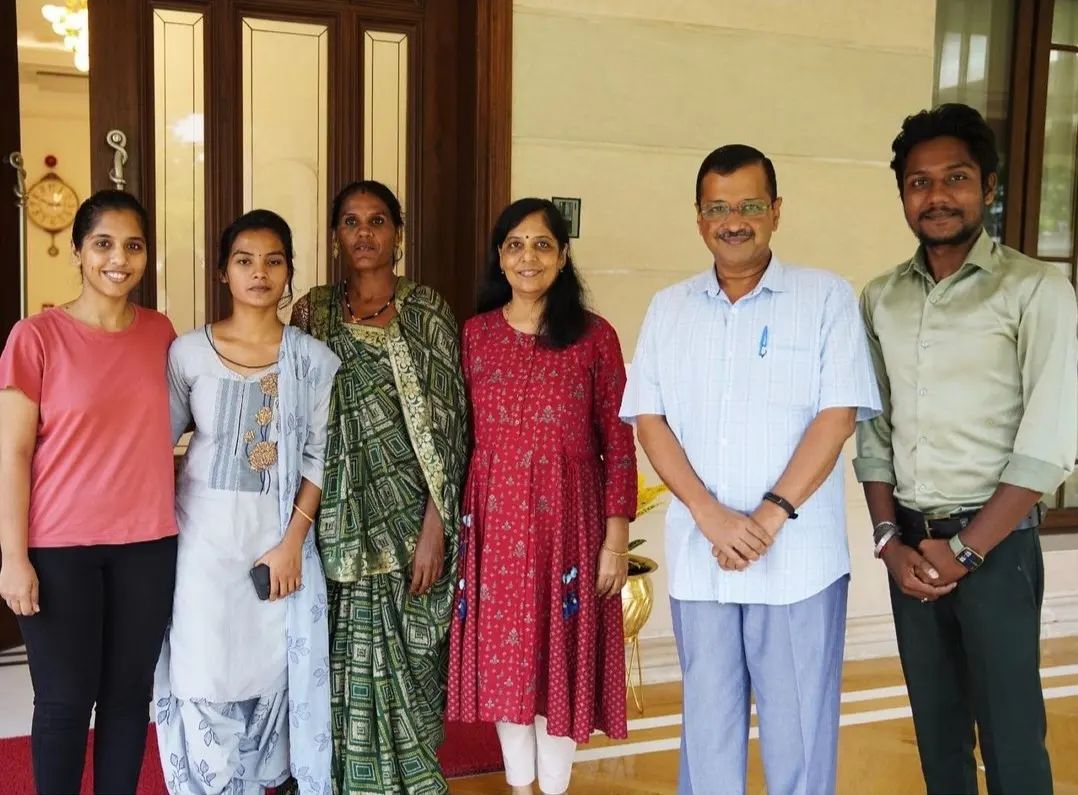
{"x": 922, "y": 391}
{"x": 933, "y": 299}
{"x": 921, "y": 487}
{"x": 924, "y": 344}
{"x": 923, "y": 440}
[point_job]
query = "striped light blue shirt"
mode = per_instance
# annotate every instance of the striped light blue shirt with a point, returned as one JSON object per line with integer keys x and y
{"x": 739, "y": 385}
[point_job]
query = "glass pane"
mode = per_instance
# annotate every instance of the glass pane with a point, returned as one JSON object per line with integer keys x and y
{"x": 1065, "y": 23}
{"x": 285, "y": 94}
{"x": 973, "y": 66}
{"x": 1066, "y": 268}
{"x": 1056, "y": 235}
{"x": 179, "y": 169}
{"x": 1070, "y": 494}
{"x": 385, "y": 89}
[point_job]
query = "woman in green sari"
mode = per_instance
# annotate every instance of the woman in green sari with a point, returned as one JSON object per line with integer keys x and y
{"x": 388, "y": 526}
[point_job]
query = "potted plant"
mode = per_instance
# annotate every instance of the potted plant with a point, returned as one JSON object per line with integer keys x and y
{"x": 637, "y": 595}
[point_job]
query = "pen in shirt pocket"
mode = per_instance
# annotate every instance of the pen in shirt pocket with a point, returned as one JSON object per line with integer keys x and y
{"x": 763, "y": 343}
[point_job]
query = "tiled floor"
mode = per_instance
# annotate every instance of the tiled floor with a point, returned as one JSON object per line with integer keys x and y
{"x": 877, "y": 752}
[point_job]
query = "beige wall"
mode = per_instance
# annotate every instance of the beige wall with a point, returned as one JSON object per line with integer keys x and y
{"x": 618, "y": 101}
{"x": 54, "y": 111}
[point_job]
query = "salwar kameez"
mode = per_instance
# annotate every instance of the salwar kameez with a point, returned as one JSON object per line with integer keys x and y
{"x": 241, "y": 688}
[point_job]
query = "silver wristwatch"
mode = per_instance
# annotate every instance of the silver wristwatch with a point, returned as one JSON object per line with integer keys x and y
{"x": 882, "y": 533}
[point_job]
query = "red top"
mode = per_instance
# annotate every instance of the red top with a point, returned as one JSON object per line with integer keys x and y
{"x": 102, "y": 471}
{"x": 551, "y": 461}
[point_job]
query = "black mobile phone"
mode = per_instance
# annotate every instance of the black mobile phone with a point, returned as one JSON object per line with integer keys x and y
{"x": 260, "y": 576}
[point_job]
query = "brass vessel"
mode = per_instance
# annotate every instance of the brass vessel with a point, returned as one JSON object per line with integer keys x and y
{"x": 637, "y": 599}
{"x": 637, "y": 596}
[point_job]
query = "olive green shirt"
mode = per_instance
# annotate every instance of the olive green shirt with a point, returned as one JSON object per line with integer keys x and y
{"x": 978, "y": 375}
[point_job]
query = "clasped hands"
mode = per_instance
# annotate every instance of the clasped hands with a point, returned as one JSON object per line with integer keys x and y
{"x": 737, "y": 539}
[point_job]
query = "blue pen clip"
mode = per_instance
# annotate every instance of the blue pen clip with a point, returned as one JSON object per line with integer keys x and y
{"x": 763, "y": 343}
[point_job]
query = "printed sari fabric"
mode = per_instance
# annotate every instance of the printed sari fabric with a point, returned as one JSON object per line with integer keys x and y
{"x": 397, "y": 435}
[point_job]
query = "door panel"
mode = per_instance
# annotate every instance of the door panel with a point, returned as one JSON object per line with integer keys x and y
{"x": 180, "y": 166}
{"x": 285, "y": 126}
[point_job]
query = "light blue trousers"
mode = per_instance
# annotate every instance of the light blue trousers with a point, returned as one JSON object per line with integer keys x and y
{"x": 790, "y": 658}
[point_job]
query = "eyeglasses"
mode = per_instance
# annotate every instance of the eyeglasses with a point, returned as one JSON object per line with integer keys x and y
{"x": 750, "y": 208}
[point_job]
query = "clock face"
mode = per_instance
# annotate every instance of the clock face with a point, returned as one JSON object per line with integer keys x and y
{"x": 51, "y": 203}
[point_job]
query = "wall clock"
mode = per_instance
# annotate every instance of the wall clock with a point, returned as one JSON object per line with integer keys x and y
{"x": 51, "y": 204}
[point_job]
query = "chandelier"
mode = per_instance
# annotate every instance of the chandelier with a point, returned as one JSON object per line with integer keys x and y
{"x": 69, "y": 21}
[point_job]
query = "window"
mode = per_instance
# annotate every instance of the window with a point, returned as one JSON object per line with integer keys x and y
{"x": 1016, "y": 61}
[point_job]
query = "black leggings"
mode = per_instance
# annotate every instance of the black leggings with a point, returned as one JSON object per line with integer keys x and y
{"x": 104, "y": 610}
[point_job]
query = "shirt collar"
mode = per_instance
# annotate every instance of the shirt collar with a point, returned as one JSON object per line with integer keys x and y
{"x": 983, "y": 255}
{"x": 774, "y": 280}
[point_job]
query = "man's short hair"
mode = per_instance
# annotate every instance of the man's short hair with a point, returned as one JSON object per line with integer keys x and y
{"x": 953, "y": 120}
{"x": 728, "y": 159}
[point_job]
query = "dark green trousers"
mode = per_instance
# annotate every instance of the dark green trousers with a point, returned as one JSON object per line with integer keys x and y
{"x": 973, "y": 658}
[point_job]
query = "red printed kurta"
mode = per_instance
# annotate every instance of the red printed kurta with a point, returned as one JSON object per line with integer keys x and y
{"x": 551, "y": 461}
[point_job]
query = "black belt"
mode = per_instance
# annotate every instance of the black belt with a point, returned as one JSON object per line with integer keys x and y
{"x": 917, "y": 526}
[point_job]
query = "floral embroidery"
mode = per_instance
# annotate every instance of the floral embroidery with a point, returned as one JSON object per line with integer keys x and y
{"x": 570, "y": 602}
{"x": 263, "y": 456}
{"x": 269, "y": 384}
{"x": 261, "y": 452}
{"x": 570, "y": 605}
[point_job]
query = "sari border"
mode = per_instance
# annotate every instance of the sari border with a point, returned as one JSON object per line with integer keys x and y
{"x": 414, "y": 407}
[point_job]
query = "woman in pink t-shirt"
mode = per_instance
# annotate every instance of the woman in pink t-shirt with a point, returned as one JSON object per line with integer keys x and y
{"x": 87, "y": 523}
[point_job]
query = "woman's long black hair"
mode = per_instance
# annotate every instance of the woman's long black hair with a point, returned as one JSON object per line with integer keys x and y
{"x": 565, "y": 315}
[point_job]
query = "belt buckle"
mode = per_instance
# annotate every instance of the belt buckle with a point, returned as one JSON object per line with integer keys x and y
{"x": 928, "y": 519}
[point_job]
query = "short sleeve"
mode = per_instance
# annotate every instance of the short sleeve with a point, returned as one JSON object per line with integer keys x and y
{"x": 22, "y": 364}
{"x": 847, "y": 378}
{"x": 643, "y": 393}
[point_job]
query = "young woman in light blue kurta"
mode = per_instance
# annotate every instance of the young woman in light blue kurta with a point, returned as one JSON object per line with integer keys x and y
{"x": 242, "y": 692}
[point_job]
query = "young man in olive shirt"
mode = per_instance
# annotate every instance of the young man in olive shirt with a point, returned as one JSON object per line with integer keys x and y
{"x": 976, "y": 353}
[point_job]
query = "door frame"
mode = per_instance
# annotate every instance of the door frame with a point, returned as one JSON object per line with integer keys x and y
{"x": 10, "y": 257}
{"x": 1031, "y": 50}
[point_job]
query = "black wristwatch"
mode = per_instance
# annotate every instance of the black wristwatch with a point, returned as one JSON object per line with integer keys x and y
{"x": 785, "y": 504}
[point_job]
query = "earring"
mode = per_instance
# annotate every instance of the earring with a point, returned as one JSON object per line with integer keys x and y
{"x": 336, "y": 248}
{"x": 398, "y": 254}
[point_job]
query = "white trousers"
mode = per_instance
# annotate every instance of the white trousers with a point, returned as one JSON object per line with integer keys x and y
{"x": 528, "y": 748}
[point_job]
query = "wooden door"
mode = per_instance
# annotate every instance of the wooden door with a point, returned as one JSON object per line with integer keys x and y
{"x": 450, "y": 87}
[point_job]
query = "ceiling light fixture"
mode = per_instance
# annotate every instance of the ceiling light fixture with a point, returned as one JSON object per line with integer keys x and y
{"x": 70, "y": 23}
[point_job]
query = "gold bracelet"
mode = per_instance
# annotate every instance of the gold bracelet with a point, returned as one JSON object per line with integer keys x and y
{"x": 624, "y": 554}
{"x": 303, "y": 513}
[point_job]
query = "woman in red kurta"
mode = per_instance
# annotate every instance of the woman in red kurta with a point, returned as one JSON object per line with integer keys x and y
{"x": 536, "y": 643}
